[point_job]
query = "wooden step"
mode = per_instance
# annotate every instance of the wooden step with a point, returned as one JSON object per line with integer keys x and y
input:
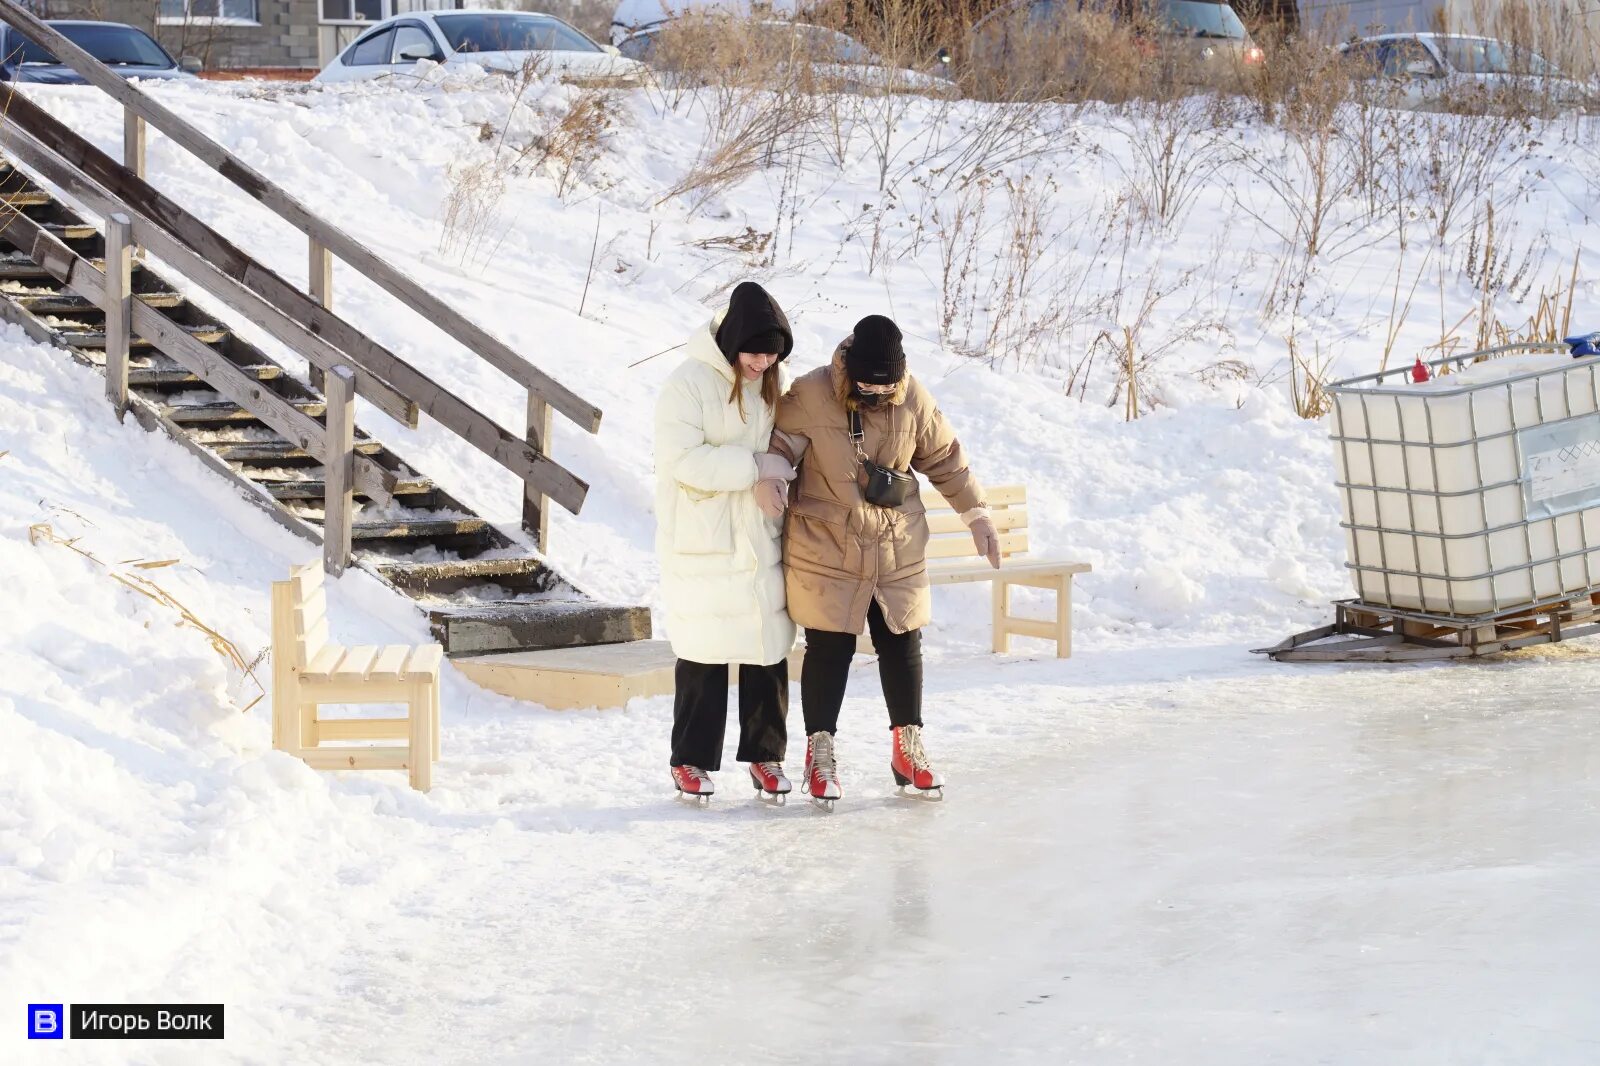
{"x": 413, "y": 528}
{"x": 68, "y": 304}
{"x": 224, "y": 412}
{"x": 317, "y": 489}
{"x": 22, "y": 269}
{"x": 174, "y": 376}
{"x": 533, "y": 625}
{"x": 276, "y": 452}
{"x": 601, "y": 676}
{"x": 442, "y": 579}
{"x": 95, "y": 340}
{"x": 71, "y": 231}
{"x": 20, "y": 198}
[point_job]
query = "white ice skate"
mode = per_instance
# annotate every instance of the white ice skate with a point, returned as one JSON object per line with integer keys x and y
{"x": 822, "y": 772}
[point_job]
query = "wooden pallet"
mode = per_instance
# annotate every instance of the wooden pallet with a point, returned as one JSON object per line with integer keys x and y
{"x": 1363, "y": 632}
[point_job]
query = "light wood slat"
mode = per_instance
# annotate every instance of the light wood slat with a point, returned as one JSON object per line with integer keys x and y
{"x": 997, "y": 496}
{"x": 221, "y": 374}
{"x": 315, "y": 639}
{"x": 356, "y": 758}
{"x": 390, "y": 663}
{"x": 1031, "y": 627}
{"x": 1004, "y": 521}
{"x": 355, "y": 664}
{"x": 322, "y": 660}
{"x": 222, "y": 269}
{"x": 256, "y": 185}
{"x": 309, "y": 575}
{"x": 424, "y": 660}
{"x": 305, "y": 618}
{"x": 955, "y": 549}
{"x": 1018, "y": 574}
{"x": 363, "y": 728}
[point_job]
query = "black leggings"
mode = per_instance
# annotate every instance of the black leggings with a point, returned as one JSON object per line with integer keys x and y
{"x": 827, "y": 671}
{"x": 700, "y": 713}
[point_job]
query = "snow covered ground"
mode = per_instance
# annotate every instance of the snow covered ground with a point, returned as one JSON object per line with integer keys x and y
{"x": 1162, "y": 851}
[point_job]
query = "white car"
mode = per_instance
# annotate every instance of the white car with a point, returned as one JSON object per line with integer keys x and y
{"x": 639, "y": 16}
{"x": 494, "y": 40}
{"x": 1430, "y": 71}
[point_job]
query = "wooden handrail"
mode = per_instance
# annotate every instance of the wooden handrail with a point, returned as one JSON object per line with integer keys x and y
{"x": 85, "y": 279}
{"x": 43, "y": 142}
{"x": 341, "y": 244}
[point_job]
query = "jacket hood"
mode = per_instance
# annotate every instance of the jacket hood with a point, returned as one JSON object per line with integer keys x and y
{"x": 751, "y": 311}
{"x": 703, "y": 348}
{"x": 844, "y": 388}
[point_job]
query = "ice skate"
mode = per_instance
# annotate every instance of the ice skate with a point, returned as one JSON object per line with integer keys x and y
{"x": 693, "y": 784}
{"x": 909, "y": 763}
{"x": 822, "y": 772}
{"x": 770, "y": 784}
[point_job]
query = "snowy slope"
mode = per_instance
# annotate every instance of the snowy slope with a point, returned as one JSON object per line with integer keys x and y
{"x": 153, "y": 848}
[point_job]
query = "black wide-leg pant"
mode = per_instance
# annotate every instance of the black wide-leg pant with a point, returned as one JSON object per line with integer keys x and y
{"x": 700, "y": 713}
{"x": 827, "y": 671}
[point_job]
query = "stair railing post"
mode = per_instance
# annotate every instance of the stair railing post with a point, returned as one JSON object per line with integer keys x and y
{"x": 321, "y": 290}
{"x": 535, "y": 505}
{"x": 133, "y": 147}
{"x": 118, "y": 309}
{"x": 339, "y": 467}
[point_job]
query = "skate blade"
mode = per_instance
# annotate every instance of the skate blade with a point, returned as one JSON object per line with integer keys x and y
{"x": 771, "y": 799}
{"x": 922, "y": 795}
{"x": 696, "y": 800}
{"x": 824, "y": 805}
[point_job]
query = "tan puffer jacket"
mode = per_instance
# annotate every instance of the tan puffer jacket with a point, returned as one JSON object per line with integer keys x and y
{"x": 839, "y": 551}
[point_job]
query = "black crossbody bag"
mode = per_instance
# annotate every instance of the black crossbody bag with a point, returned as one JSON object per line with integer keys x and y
{"x": 886, "y": 486}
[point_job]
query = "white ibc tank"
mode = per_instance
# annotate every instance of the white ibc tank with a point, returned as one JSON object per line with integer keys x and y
{"x": 1477, "y": 492}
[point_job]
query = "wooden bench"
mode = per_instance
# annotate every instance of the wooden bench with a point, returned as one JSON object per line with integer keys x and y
{"x": 951, "y": 556}
{"x": 308, "y": 671}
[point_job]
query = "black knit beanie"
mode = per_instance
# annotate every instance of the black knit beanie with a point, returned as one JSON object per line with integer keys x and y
{"x": 753, "y": 323}
{"x": 875, "y": 356}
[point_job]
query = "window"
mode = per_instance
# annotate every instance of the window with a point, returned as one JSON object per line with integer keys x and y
{"x": 370, "y": 51}
{"x": 235, "y": 12}
{"x": 412, "y": 38}
{"x": 1398, "y": 55}
{"x": 353, "y": 11}
{"x": 115, "y": 46}
{"x": 482, "y": 32}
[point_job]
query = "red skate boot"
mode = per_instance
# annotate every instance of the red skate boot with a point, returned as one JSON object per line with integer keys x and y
{"x": 768, "y": 779}
{"x": 693, "y": 783}
{"x": 822, "y": 772}
{"x": 910, "y": 763}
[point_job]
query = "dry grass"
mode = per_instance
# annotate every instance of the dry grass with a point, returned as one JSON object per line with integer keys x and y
{"x": 130, "y": 576}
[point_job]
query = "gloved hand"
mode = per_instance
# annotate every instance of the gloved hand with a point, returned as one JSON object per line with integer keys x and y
{"x": 987, "y": 540}
{"x": 770, "y": 465}
{"x": 772, "y": 496}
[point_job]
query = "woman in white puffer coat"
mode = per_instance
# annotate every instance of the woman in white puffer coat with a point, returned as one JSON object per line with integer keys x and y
{"x": 721, "y": 563}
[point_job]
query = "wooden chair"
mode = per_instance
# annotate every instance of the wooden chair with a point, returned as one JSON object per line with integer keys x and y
{"x": 950, "y": 555}
{"x": 308, "y": 671}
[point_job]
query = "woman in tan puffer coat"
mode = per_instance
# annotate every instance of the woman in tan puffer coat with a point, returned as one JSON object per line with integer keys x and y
{"x": 852, "y": 564}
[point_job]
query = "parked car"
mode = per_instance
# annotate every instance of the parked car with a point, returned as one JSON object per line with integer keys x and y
{"x": 1193, "y": 43}
{"x": 831, "y": 61}
{"x": 638, "y": 16}
{"x": 128, "y": 50}
{"x": 495, "y": 40}
{"x": 1452, "y": 71}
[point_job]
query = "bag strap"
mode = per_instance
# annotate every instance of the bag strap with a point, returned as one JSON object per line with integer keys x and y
{"x": 857, "y": 435}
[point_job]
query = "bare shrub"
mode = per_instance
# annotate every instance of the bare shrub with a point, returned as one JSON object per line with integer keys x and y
{"x": 572, "y": 138}
{"x": 1176, "y": 149}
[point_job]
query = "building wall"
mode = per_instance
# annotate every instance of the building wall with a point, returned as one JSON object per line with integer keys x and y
{"x": 285, "y": 35}
{"x": 290, "y": 33}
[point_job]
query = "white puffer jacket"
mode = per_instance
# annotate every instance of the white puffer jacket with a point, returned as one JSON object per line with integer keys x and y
{"x": 721, "y": 563}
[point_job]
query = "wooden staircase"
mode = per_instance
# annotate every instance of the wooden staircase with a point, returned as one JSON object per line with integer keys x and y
{"x": 482, "y": 590}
